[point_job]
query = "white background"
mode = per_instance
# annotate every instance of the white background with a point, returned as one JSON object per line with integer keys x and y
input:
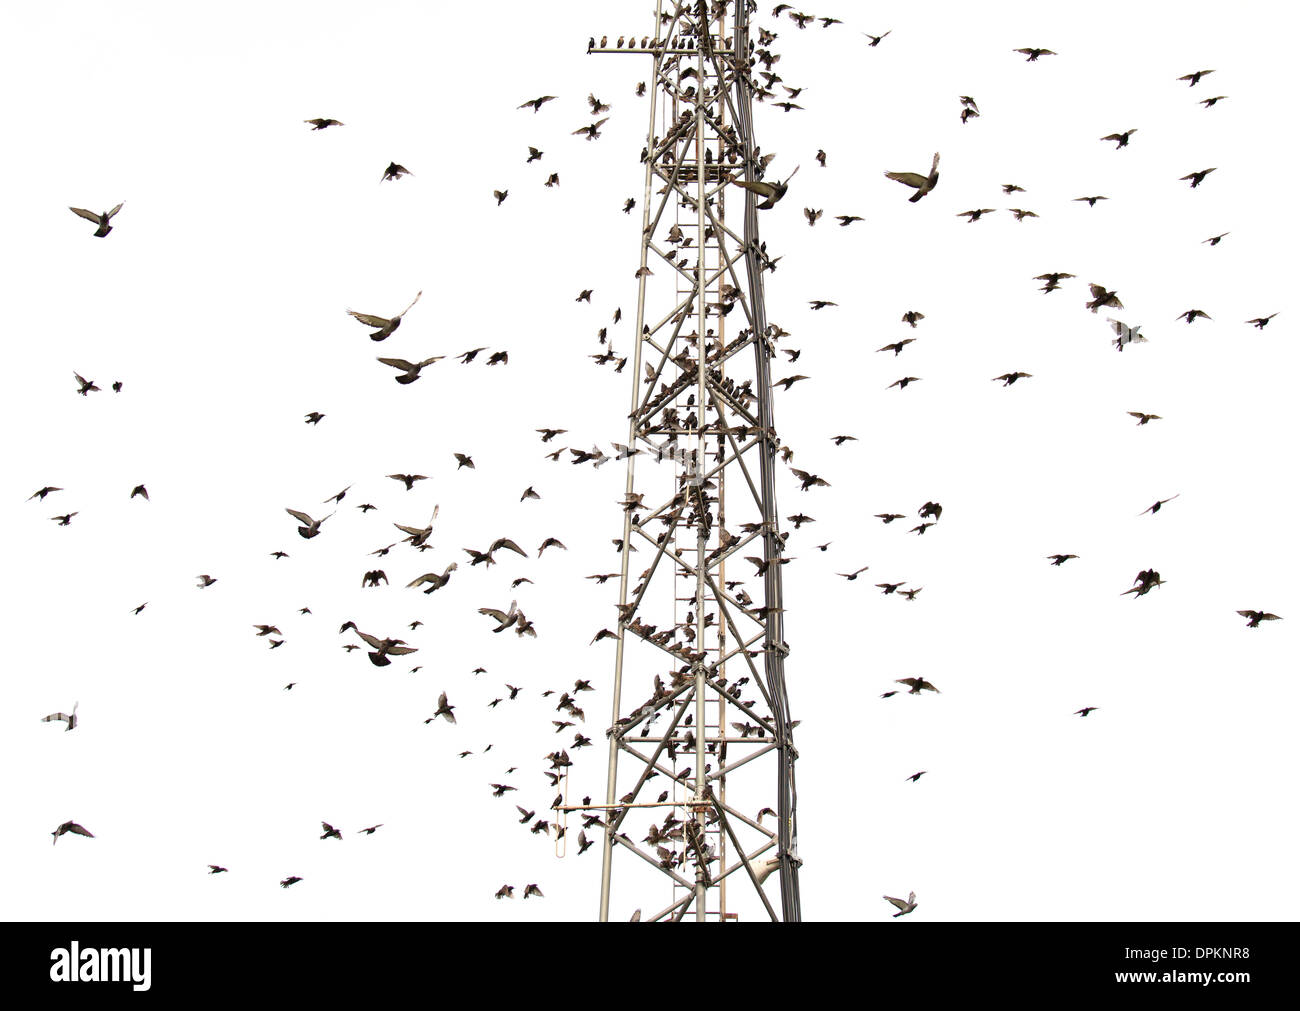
{"x": 219, "y": 301}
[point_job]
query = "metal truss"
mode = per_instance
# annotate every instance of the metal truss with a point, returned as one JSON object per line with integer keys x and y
{"x": 697, "y": 655}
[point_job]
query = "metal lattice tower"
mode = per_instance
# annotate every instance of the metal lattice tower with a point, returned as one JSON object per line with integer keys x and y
{"x": 700, "y": 661}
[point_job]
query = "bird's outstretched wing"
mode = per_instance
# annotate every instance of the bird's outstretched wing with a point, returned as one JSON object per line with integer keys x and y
{"x": 302, "y": 518}
{"x": 907, "y": 179}
{"x": 369, "y": 320}
{"x": 400, "y": 363}
{"x": 88, "y": 215}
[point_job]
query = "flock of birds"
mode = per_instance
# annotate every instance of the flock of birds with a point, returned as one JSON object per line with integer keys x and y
{"x": 417, "y": 535}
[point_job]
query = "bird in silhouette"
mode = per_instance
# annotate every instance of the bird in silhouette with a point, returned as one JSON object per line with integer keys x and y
{"x": 1191, "y": 314}
{"x": 331, "y": 832}
{"x": 373, "y": 577}
{"x": 902, "y": 383}
{"x": 314, "y": 418}
{"x": 1156, "y": 508}
{"x": 1255, "y": 618}
{"x": 537, "y": 103}
{"x": 1092, "y": 201}
{"x": 216, "y": 869}
{"x": 65, "y": 519}
{"x": 911, "y": 317}
{"x": 292, "y": 879}
{"x": 408, "y": 479}
{"x": 916, "y": 685}
{"x": 975, "y": 215}
{"x": 102, "y": 220}
{"x": 1009, "y": 188}
{"x": 410, "y": 370}
{"x": 1195, "y": 78}
{"x": 1120, "y": 139}
{"x": 811, "y": 215}
{"x": 850, "y": 576}
{"x": 1196, "y": 178}
{"x": 69, "y": 718}
{"x": 1059, "y": 560}
{"x": 74, "y": 828}
{"x": 395, "y": 171}
{"x": 914, "y": 777}
{"x": 875, "y": 39}
{"x": 1053, "y": 280}
{"x": 381, "y": 649}
{"x": 847, "y": 219}
{"x": 922, "y": 184}
{"x": 1214, "y": 240}
{"x": 592, "y": 131}
{"x": 1144, "y": 418}
{"x": 1033, "y": 54}
{"x": 1020, "y": 213}
{"x": 533, "y": 155}
{"x": 1101, "y": 297}
{"x": 1261, "y": 321}
{"x": 371, "y": 830}
{"x": 87, "y": 385}
{"x": 501, "y": 196}
{"x": 506, "y": 891}
{"x": 386, "y": 325}
{"x": 40, "y": 493}
{"x": 533, "y": 890}
{"x": 205, "y": 581}
{"x": 897, "y": 346}
{"x": 1084, "y": 711}
{"x": 1007, "y": 378}
{"x": 310, "y": 527}
{"x": 1210, "y": 103}
{"x": 321, "y": 124}
{"x": 911, "y": 903}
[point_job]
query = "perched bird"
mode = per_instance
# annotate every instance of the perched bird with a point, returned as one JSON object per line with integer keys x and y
{"x": 394, "y": 171}
{"x": 1120, "y": 139}
{"x": 74, "y": 828}
{"x": 1034, "y": 54}
{"x": 1196, "y": 178}
{"x": 911, "y": 903}
{"x": 100, "y": 219}
{"x": 922, "y": 184}
{"x": 1255, "y": 618}
{"x": 310, "y": 527}
{"x": 386, "y": 325}
{"x": 321, "y": 124}
{"x": 69, "y": 718}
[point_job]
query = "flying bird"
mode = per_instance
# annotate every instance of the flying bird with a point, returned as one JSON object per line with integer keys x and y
{"x": 408, "y": 479}
{"x": 321, "y": 124}
{"x": 1191, "y": 314}
{"x": 897, "y": 346}
{"x": 386, "y": 325}
{"x": 771, "y": 192}
{"x": 444, "y": 710}
{"x": 911, "y": 903}
{"x": 1144, "y": 418}
{"x": 74, "y": 828}
{"x": 922, "y": 184}
{"x": 331, "y": 832}
{"x": 537, "y": 103}
{"x": 100, "y": 219}
{"x": 1084, "y": 711}
{"x": 87, "y": 385}
{"x": 1261, "y": 321}
{"x": 69, "y": 718}
{"x": 974, "y": 215}
{"x": 1092, "y": 201}
{"x": 1195, "y": 78}
{"x": 1033, "y": 54}
{"x": 310, "y": 527}
{"x": 395, "y": 171}
{"x": 1007, "y": 378}
{"x": 1059, "y": 560}
{"x": 917, "y": 684}
{"x": 1255, "y": 618}
{"x": 1120, "y": 139}
{"x": 1156, "y": 508}
{"x": 1196, "y": 178}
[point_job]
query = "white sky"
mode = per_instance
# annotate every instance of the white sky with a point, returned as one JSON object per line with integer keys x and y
{"x": 219, "y": 301}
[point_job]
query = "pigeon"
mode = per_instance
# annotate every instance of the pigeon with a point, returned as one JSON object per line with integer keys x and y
{"x": 100, "y": 219}
{"x": 310, "y": 527}
{"x": 410, "y": 370}
{"x": 922, "y": 184}
{"x": 444, "y": 710}
{"x": 903, "y": 907}
{"x": 770, "y": 192}
{"x": 385, "y": 325}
